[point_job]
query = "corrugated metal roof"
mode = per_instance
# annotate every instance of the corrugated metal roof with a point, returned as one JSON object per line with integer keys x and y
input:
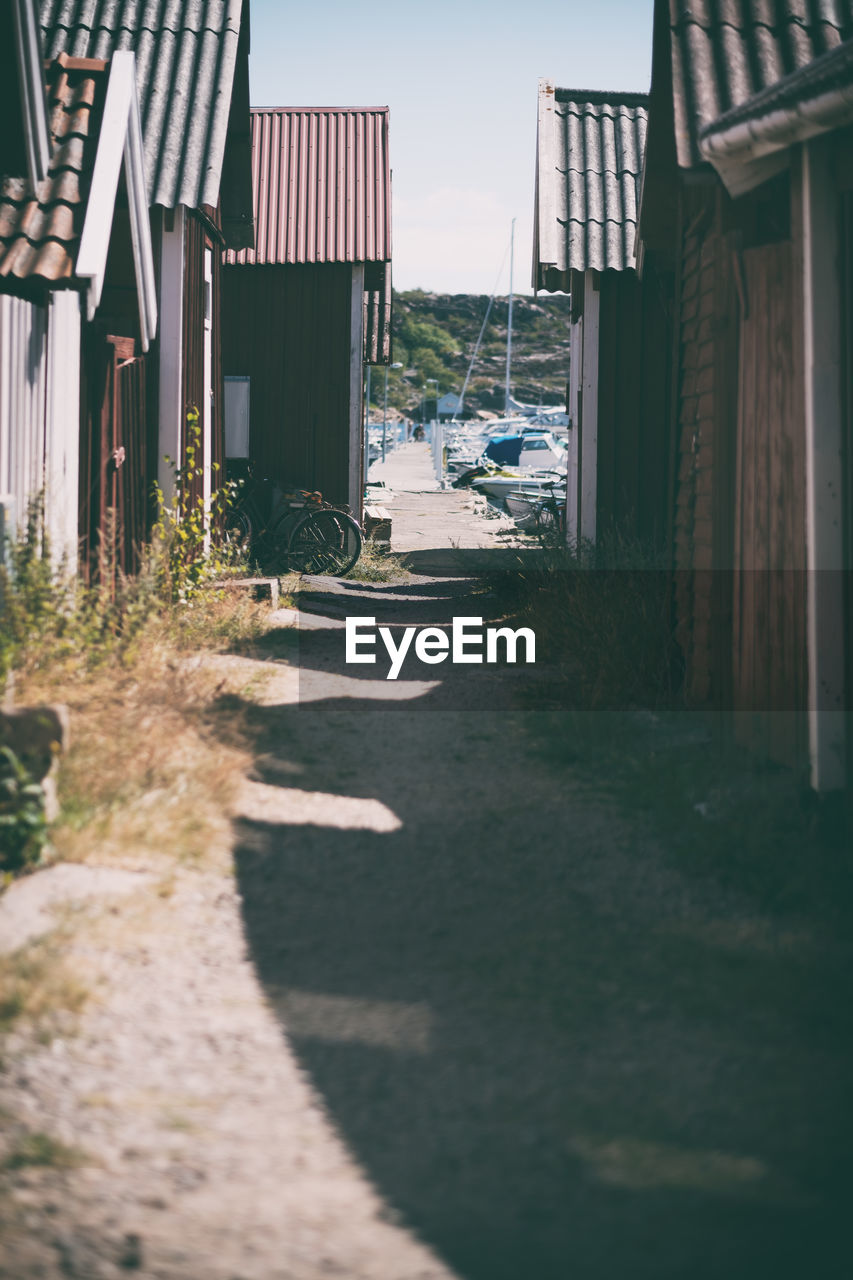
{"x": 321, "y": 178}
{"x": 726, "y": 51}
{"x": 40, "y": 234}
{"x": 590, "y": 157}
{"x": 186, "y": 53}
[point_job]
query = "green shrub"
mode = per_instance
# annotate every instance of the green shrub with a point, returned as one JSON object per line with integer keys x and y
{"x": 23, "y": 825}
{"x": 602, "y": 613}
{"x": 188, "y": 548}
{"x": 49, "y": 617}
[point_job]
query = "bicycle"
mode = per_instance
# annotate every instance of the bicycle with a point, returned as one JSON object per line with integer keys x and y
{"x": 545, "y": 510}
{"x": 294, "y": 530}
{"x": 320, "y": 539}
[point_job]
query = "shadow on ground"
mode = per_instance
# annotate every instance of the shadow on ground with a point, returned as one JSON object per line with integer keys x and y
{"x": 555, "y": 1056}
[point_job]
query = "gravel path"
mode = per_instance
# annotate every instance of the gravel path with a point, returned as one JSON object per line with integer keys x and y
{"x": 448, "y": 1018}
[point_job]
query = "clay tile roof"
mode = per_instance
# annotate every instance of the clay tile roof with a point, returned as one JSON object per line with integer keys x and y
{"x": 40, "y": 232}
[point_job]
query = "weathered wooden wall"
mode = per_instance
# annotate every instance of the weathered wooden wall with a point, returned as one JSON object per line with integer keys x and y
{"x": 769, "y": 605}
{"x": 288, "y": 329}
{"x": 739, "y": 518}
{"x": 633, "y": 406}
{"x": 697, "y": 410}
{"x": 846, "y": 215}
{"x": 114, "y": 473}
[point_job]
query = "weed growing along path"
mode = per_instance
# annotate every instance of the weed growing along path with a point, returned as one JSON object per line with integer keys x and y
{"x": 455, "y": 1016}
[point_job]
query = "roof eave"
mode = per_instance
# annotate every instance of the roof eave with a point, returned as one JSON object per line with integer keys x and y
{"x": 748, "y": 151}
{"x": 120, "y": 142}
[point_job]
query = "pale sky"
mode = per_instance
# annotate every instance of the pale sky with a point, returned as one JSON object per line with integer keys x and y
{"x": 461, "y": 80}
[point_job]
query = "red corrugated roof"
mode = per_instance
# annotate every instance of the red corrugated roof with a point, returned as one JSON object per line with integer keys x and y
{"x": 321, "y": 179}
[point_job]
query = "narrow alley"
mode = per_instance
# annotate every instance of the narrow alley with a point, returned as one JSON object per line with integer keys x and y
{"x": 553, "y": 1054}
{"x": 453, "y": 1015}
{"x": 426, "y": 640}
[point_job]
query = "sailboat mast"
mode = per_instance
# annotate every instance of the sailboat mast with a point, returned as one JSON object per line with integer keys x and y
{"x": 509, "y": 319}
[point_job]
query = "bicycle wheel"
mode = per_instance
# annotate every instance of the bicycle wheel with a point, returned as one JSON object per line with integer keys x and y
{"x": 277, "y": 541}
{"x": 238, "y": 534}
{"x": 324, "y": 542}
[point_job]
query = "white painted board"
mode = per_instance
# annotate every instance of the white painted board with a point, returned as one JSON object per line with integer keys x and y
{"x": 237, "y": 417}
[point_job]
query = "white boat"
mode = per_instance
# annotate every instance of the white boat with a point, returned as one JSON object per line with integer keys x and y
{"x": 504, "y": 482}
{"x": 527, "y": 509}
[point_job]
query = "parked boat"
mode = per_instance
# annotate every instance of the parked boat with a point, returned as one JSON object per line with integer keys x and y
{"x": 538, "y": 449}
{"x": 534, "y": 510}
{"x": 501, "y": 483}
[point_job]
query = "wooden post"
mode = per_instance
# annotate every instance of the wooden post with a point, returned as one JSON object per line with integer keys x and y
{"x": 171, "y": 347}
{"x": 589, "y": 425}
{"x": 357, "y": 460}
{"x": 824, "y": 468}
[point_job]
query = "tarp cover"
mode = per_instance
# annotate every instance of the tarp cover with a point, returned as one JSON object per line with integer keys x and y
{"x": 504, "y": 449}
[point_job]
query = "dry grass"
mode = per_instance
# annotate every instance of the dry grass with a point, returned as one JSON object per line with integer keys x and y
{"x": 40, "y": 1150}
{"x": 37, "y": 985}
{"x": 377, "y": 565}
{"x": 154, "y": 759}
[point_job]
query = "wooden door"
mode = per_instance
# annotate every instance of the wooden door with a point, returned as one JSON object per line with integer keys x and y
{"x": 114, "y": 467}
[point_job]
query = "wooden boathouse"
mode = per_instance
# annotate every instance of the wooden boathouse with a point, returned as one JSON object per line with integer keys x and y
{"x": 590, "y": 149}
{"x": 747, "y": 197}
{"x": 311, "y": 304}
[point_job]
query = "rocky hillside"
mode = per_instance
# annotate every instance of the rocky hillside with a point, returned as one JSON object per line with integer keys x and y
{"x": 434, "y": 337}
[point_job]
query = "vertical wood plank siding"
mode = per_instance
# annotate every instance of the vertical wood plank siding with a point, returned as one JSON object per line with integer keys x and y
{"x": 297, "y": 356}
{"x": 114, "y": 464}
{"x": 133, "y": 477}
{"x": 769, "y": 607}
{"x": 693, "y": 542}
{"x": 739, "y": 535}
{"x": 633, "y": 406}
{"x": 847, "y": 384}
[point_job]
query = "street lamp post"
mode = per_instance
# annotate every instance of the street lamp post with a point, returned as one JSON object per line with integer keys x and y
{"x": 367, "y": 425}
{"x": 434, "y": 434}
{"x": 435, "y": 380}
{"x": 395, "y": 365}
